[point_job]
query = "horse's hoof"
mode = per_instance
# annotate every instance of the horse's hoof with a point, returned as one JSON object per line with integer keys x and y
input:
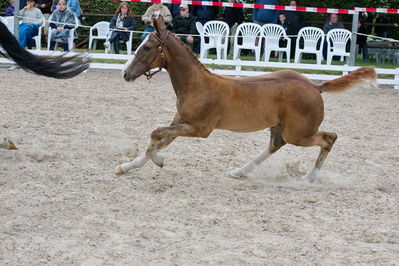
{"x": 237, "y": 173}
{"x": 119, "y": 170}
{"x": 8, "y": 144}
{"x": 158, "y": 160}
{"x": 306, "y": 179}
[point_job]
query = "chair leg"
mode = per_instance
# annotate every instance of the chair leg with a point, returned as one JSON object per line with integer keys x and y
{"x": 236, "y": 53}
{"x": 267, "y": 55}
{"x": 257, "y": 54}
{"x": 94, "y": 44}
{"x": 297, "y": 57}
{"x": 280, "y": 56}
{"x": 319, "y": 56}
{"x": 288, "y": 54}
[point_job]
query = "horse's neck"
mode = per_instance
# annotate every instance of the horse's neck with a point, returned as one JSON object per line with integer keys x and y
{"x": 183, "y": 67}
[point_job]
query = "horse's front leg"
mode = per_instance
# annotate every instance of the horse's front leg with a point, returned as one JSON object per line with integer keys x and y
{"x": 161, "y": 138}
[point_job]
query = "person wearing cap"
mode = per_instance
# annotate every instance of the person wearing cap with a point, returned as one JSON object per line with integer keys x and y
{"x": 184, "y": 23}
{"x": 32, "y": 18}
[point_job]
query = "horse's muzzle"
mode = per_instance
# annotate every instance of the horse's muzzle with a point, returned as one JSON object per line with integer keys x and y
{"x": 128, "y": 77}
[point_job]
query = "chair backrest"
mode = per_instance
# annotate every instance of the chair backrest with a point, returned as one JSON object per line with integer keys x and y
{"x": 217, "y": 30}
{"x": 199, "y": 27}
{"x": 3, "y": 19}
{"x": 248, "y": 32}
{"x": 272, "y": 33}
{"x": 311, "y": 37}
{"x": 338, "y": 38}
{"x": 10, "y": 23}
{"x": 102, "y": 28}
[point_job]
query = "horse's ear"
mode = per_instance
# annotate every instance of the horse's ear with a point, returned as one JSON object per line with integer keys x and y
{"x": 159, "y": 25}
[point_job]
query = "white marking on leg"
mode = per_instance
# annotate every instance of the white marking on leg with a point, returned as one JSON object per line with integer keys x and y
{"x": 311, "y": 176}
{"x": 136, "y": 163}
{"x": 239, "y": 172}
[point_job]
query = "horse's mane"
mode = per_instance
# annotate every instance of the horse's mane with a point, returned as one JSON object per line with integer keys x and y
{"x": 192, "y": 55}
{"x": 60, "y": 67}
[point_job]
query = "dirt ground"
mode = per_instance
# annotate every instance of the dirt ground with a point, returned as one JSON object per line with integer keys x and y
{"x": 62, "y": 204}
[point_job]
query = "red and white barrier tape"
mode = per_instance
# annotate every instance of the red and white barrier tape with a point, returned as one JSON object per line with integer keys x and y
{"x": 377, "y": 10}
{"x": 256, "y": 6}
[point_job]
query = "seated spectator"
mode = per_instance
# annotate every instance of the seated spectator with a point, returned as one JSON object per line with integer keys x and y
{"x": 10, "y": 9}
{"x": 30, "y": 24}
{"x": 233, "y": 16}
{"x": 361, "y": 41}
{"x": 333, "y": 23}
{"x": 122, "y": 20}
{"x": 185, "y": 24}
{"x": 74, "y": 5}
{"x": 61, "y": 22}
{"x": 155, "y": 10}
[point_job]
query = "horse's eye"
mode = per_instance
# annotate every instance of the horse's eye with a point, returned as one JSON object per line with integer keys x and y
{"x": 146, "y": 48}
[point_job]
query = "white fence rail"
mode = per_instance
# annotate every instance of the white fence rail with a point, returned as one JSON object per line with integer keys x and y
{"x": 239, "y": 64}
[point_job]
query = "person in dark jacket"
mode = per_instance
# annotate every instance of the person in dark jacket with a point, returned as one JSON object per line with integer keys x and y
{"x": 184, "y": 23}
{"x": 45, "y": 7}
{"x": 361, "y": 41}
{"x": 264, "y": 16}
{"x": 233, "y": 16}
{"x": 382, "y": 27}
{"x": 205, "y": 13}
{"x": 333, "y": 23}
{"x": 295, "y": 22}
{"x": 122, "y": 21}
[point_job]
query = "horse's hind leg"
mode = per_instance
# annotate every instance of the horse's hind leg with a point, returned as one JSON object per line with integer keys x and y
{"x": 323, "y": 139}
{"x": 276, "y": 142}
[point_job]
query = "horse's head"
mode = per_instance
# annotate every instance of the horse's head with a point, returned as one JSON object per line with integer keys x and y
{"x": 150, "y": 54}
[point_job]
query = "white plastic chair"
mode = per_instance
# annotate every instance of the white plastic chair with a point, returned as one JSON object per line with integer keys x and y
{"x": 38, "y": 37}
{"x": 71, "y": 34}
{"x": 337, "y": 40}
{"x": 199, "y": 27}
{"x": 128, "y": 43}
{"x": 313, "y": 41}
{"x": 102, "y": 28}
{"x": 9, "y": 21}
{"x": 250, "y": 33}
{"x": 215, "y": 34}
{"x": 273, "y": 33}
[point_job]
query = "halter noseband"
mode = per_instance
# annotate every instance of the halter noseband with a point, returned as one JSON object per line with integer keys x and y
{"x": 149, "y": 74}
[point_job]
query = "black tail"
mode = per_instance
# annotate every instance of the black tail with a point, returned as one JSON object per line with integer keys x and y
{"x": 60, "y": 67}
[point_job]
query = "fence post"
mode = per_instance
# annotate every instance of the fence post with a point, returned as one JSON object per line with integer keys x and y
{"x": 396, "y": 86}
{"x": 355, "y": 20}
{"x": 17, "y": 7}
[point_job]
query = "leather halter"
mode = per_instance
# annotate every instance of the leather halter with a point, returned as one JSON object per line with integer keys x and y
{"x": 149, "y": 74}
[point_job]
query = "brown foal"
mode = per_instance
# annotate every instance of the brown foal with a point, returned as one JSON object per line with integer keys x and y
{"x": 287, "y": 102}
